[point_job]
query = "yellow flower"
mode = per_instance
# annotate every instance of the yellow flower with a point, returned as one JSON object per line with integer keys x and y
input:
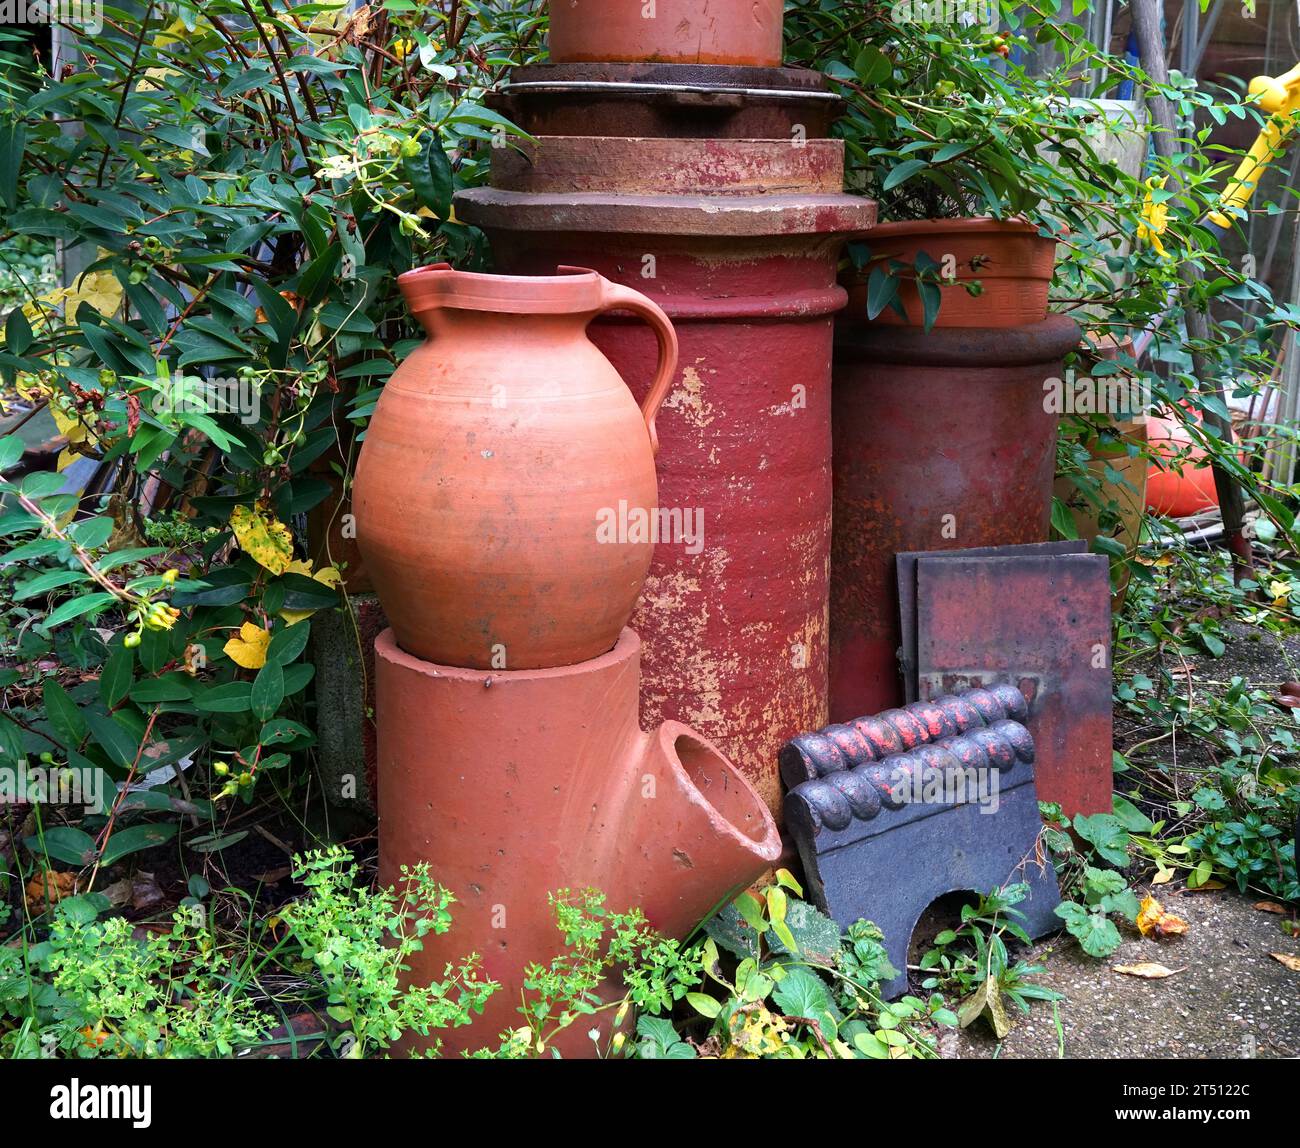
{"x": 249, "y": 649}
{"x": 1155, "y": 217}
{"x": 263, "y": 537}
{"x": 1280, "y": 592}
{"x": 403, "y": 48}
{"x": 326, "y": 575}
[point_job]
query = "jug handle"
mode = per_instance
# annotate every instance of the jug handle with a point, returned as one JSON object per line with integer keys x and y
{"x": 616, "y": 297}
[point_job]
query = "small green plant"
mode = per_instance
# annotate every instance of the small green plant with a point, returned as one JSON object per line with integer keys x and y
{"x": 1105, "y": 892}
{"x": 98, "y": 986}
{"x": 600, "y": 946}
{"x": 791, "y": 986}
{"x": 358, "y": 941}
{"x": 973, "y": 960}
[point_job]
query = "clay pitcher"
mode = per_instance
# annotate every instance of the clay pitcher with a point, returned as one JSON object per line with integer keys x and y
{"x": 507, "y": 476}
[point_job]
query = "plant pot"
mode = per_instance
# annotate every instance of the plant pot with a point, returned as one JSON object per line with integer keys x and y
{"x": 744, "y": 32}
{"x": 1011, "y": 263}
{"x": 942, "y": 441}
{"x": 501, "y": 464}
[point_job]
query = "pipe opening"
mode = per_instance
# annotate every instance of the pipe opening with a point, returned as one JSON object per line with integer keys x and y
{"x": 713, "y": 778}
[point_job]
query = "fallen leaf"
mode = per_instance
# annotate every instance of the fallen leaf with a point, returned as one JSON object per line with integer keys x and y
{"x": 1291, "y": 961}
{"x": 1147, "y": 970}
{"x": 249, "y": 649}
{"x": 1154, "y": 921}
{"x": 1270, "y": 907}
{"x": 47, "y": 889}
{"x": 986, "y": 1001}
{"x": 1208, "y": 887}
{"x": 1163, "y": 877}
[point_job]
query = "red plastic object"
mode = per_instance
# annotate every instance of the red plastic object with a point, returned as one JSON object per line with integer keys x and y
{"x": 1177, "y": 494}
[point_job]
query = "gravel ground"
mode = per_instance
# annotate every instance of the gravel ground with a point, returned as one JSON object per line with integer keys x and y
{"x": 1230, "y": 999}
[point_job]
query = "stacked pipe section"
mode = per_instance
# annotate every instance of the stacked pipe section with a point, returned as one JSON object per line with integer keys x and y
{"x": 713, "y": 189}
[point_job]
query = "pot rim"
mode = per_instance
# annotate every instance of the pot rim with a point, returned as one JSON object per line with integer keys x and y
{"x": 983, "y": 224}
{"x": 571, "y": 290}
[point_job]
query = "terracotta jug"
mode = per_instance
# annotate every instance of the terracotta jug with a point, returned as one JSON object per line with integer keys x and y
{"x": 505, "y": 469}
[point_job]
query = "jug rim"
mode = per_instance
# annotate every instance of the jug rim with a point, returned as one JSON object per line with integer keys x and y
{"x": 570, "y": 290}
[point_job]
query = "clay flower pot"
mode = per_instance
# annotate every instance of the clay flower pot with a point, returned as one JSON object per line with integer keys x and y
{"x": 746, "y": 32}
{"x": 1011, "y": 261}
{"x": 497, "y": 468}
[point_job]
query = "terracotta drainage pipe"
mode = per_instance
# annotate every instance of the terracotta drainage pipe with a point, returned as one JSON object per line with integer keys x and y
{"x": 513, "y": 785}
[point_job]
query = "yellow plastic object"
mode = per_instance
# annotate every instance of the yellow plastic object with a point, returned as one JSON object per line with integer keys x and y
{"x": 1278, "y": 96}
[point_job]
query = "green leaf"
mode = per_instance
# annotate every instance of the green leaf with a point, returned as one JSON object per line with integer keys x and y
{"x": 1105, "y": 833}
{"x": 704, "y": 1004}
{"x": 11, "y": 451}
{"x": 117, "y": 675}
{"x": 64, "y": 715}
{"x": 113, "y": 738}
{"x": 1063, "y": 520}
{"x": 136, "y": 838}
{"x": 278, "y": 731}
{"x": 76, "y": 607}
{"x": 902, "y": 172}
{"x": 1130, "y": 816}
{"x": 1094, "y": 931}
{"x": 18, "y": 333}
{"x": 44, "y": 583}
{"x": 231, "y": 698}
{"x": 268, "y": 690}
{"x": 287, "y": 643}
{"x": 172, "y": 688}
{"x": 882, "y": 289}
{"x": 71, "y": 846}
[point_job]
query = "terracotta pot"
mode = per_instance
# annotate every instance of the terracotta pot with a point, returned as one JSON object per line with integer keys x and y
{"x": 1012, "y": 263}
{"x": 546, "y": 781}
{"x": 942, "y": 441}
{"x": 506, "y": 469}
{"x": 682, "y": 31}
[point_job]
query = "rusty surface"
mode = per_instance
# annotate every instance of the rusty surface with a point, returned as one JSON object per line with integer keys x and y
{"x": 905, "y": 568}
{"x": 569, "y": 165}
{"x": 735, "y": 632}
{"x": 682, "y": 101}
{"x": 1041, "y": 623}
{"x": 941, "y": 442}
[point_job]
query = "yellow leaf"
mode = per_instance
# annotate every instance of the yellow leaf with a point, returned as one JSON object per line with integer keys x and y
{"x": 326, "y": 575}
{"x": 100, "y": 289}
{"x": 263, "y": 537}
{"x": 1163, "y": 877}
{"x": 1291, "y": 961}
{"x": 986, "y": 1001}
{"x": 1153, "y": 921}
{"x": 1147, "y": 970}
{"x": 249, "y": 649}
